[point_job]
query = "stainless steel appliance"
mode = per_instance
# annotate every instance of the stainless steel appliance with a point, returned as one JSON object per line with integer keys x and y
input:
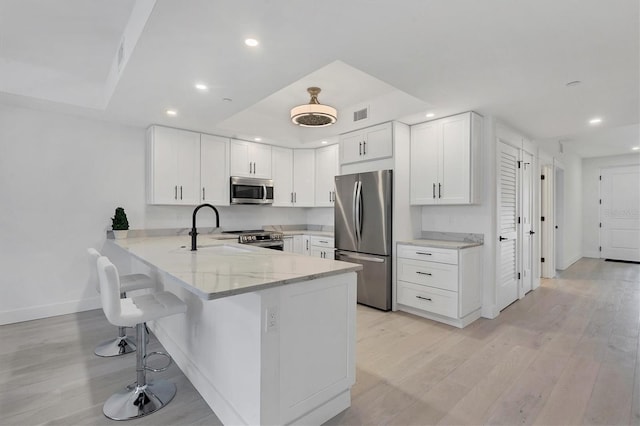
{"x": 251, "y": 190}
{"x": 363, "y": 232}
{"x": 259, "y": 238}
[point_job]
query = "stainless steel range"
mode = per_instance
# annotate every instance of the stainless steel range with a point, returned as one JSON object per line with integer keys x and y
{"x": 266, "y": 239}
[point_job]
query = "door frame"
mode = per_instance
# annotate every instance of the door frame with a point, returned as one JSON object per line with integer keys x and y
{"x": 547, "y": 226}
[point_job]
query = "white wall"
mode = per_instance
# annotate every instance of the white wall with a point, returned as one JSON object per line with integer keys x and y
{"x": 591, "y": 195}
{"x": 61, "y": 178}
{"x": 573, "y": 210}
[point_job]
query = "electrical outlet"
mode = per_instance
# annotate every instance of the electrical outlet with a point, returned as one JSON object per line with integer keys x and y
{"x": 272, "y": 319}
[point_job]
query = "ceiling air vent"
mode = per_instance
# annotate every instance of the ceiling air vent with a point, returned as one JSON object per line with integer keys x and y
{"x": 360, "y": 114}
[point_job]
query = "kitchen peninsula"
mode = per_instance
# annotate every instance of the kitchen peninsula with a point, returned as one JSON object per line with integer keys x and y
{"x": 268, "y": 337}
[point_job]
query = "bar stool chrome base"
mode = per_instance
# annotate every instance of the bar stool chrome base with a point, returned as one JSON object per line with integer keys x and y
{"x": 138, "y": 401}
{"x": 115, "y": 347}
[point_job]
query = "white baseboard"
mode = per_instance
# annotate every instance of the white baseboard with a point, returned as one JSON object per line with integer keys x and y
{"x": 489, "y": 312}
{"x": 46, "y": 311}
{"x": 595, "y": 254}
{"x": 571, "y": 261}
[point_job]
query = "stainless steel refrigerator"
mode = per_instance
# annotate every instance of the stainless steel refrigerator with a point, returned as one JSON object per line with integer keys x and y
{"x": 363, "y": 232}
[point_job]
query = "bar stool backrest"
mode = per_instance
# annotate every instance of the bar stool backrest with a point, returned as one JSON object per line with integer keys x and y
{"x": 94, "y": 255}
{"x": 109, "y": 290}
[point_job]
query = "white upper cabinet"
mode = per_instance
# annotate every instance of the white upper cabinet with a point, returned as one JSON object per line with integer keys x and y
{"x": 250, "y": 159}
{"x": 327, "y": 168}
{"x": 173, "y": 166}
{"x": 372, "y": 143}
{"x": 445, "y": 160}
{"x": 214, "y": 170}
{"x": 304, "y": 177}
{"x": 282, "y": 167}
{"x": 293, "y": 177}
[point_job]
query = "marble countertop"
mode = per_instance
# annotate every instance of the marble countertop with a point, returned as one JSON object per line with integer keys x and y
{"x": 456, "y": 245}
{"x": 221, "y": 267}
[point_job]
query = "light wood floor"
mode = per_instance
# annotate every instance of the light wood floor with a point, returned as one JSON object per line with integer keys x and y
{"x": 565, "y": 354}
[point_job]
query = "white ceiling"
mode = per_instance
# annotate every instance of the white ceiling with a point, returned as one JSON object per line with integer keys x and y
{"x": 500, "y": 57}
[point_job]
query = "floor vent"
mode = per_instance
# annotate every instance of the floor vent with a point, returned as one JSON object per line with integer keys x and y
{"x": 360, "y": 114}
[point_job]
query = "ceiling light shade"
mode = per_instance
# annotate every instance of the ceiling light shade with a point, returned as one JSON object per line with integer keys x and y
{"x": 314, "y": 114}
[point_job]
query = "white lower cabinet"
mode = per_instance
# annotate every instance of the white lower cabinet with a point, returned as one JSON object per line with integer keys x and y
{"x": 322, "y": 247}
{"x": 440, "y": 284}
{"x": 287, "y": 244}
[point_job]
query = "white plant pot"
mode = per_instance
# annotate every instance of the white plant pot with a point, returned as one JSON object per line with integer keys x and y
{"x": 119, "y": 235}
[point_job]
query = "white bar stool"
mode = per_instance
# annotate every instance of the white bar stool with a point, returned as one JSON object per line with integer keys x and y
{"x": 142, "y": 397}
{"x": 122, "y": 344}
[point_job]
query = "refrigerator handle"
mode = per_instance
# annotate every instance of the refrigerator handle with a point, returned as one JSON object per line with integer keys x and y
{"x": 354, "y": 211}
{"x": 360, "y": 210}
{"x": 361, "y": 257}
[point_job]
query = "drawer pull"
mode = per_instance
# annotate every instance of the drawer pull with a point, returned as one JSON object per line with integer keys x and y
{"x": 423, "y": 273}
{"x": 424, "y": 298}
{"x": 323, "y": 242}
{"x": 423, "y": 253}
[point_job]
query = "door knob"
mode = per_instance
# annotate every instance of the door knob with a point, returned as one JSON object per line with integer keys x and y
{"x": 502, "y": 238}
{"x": 531, "y": 232}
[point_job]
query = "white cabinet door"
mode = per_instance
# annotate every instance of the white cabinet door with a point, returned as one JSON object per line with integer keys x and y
{"x": 424, "y": 163}
{"x": 367, "y": 144}
{"x": 298, "y": 244}
{"x": 303, "y": 177}
{"x": 288, "y": 244}
{"x": 240, "y": 162}
{"x": 455, "y": 165}
{"x": 351, "y": 147}
{"x": 174, "y": 166}
{"x": 326, "y": 170}
{"x": 214, "y": 170}
{"x": 282, "y": 165}
{"x": 378, "y": 142}
{"x": 261, "y": 157}
{"x": 250, "y": 159}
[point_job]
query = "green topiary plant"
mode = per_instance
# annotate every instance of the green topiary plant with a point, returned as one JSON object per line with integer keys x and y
{"x": 119, "y": 221}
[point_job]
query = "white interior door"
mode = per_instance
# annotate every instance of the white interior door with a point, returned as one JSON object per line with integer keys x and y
{"x": 620, "y": 213}
{"x": 526, "y": 220}
{"x": 507, "y": 224}
{"x": 546, "y": 223}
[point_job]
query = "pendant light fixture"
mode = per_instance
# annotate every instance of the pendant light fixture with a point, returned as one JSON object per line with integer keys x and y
{"x": 314, "y": 114}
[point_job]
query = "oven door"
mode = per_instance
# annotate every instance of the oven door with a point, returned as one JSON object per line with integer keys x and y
{"x": 273, "y": 245}
{"x": 251, "y": 191}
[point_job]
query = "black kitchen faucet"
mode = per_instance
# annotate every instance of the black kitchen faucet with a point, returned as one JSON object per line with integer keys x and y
{"x": 194, "y": 230}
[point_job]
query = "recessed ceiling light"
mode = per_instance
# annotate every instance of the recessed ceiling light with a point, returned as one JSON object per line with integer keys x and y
{"x": 430, "y": 114}
{"x": 573, "y": 83}
{"x": 595, "y": 121}
{"x": 251, "y": 42}
{"x": 171, "y": 112}
{"x": 636, "y": 148}
{"x": 325, "y": 142}
{"x": 202, "y": 87}
{"x": 257, "y": 139}
{"x": 227, "y": 99}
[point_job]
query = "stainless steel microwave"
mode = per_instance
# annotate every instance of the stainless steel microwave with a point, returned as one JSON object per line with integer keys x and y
{"x": 251, "y": 190}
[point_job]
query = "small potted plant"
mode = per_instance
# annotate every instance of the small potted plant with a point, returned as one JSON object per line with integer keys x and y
{"x": 120, "y": 224}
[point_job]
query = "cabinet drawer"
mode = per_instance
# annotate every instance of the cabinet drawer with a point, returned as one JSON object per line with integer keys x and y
{"x": 429, "y": 299}
{"x": 428, "y": 253}
{"x": 321, "y": 241}
{"x": 433, "y": 274}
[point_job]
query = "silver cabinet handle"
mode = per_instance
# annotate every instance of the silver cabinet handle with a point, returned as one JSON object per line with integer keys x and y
{"x": 295, "y": 197}
{"x": 307, "y": 244}
{"x": 439, "y": 190}
{"x": 359, "y": 148}
{"x": 249, "y": 167}
{"x": 423, "y": 253}
{"x": 424, "y": 298}
{"x": 434, "y": 190}
{"x": 323, "y": 242}
{"x": 292, "y": 198}
{"x": 203, "y": 197}
{"x": 175, "y": 192}
{"x": 423, "y": 273}
{"x": 329, "y": 196}
{"x": 364, "y": 148}
{"x": 181, "y": 192}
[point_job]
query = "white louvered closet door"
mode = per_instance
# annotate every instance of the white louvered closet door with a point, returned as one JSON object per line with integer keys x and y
{"x": 507, "y": 224}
